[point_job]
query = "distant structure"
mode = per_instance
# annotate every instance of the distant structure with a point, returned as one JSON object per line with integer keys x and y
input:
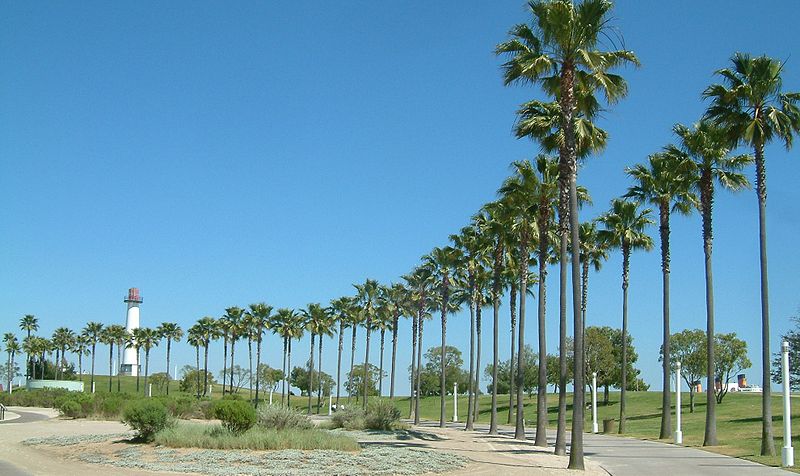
{"x": 130, "y": 361}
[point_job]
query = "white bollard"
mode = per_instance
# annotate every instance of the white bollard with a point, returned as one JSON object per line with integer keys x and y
{"x": 678, "y": 432}
{"x": 149, "y": 390}
{"x": 270, "y": 396}
{"x": 594, "y": 402}
{"x": 93, "y": 387}
{"x": 330, "y": 404}
{"x": 455, "y": 402}
{"x": 787, "y": 453}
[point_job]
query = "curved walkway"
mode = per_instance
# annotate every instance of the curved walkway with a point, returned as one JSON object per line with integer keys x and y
{"x": 622, "y": 456}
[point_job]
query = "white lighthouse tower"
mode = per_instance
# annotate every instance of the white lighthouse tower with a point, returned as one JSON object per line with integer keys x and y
{"x": 130, "y": 361}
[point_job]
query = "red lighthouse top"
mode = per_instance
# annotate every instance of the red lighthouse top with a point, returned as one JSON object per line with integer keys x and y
{"x": 133, "y": 295}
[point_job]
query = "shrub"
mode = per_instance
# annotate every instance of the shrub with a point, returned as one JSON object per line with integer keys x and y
{"x": 70, "y": 408}
{"x": 206, "y": 408}
{"x": 381, "y": 415}
{"x": 281, "y": 418}
{"x": 237, "y": 416}
{"x": 349, "y": 419}
{"x": 147, "y": 417}
{"x": 111, "y": 405}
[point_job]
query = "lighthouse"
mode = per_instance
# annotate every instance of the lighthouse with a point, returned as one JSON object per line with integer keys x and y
{"x": 130, "y": 361}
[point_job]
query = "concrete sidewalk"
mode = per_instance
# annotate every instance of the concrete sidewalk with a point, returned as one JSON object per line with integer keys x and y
{"x": 622, "y": 456}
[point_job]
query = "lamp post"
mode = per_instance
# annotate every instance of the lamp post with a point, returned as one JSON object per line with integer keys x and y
{"x": 787, "y": 453}
{"x": 594, "y": 402}
{"x": 455, "y": 402}
{"x": 678, "y": 432}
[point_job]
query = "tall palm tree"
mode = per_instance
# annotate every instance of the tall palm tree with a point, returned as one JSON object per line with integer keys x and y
{"x": 318, "y": 321}
{"x": 80, "y": 347}
{"x": 12, "y": 347}
{"x": 208, "y": 329}
{"x": 107, "y": 337}
{"x": 560, "y": 43}
{"x": 594, "y": 252}
{"x": 29, "y": 323}
{"x": 196, "y": 339}
{"x": 289, "y": 325}
{"x": 62, "y": 339}
{"x": 325, "y": 328}
{"x": 708, "y": 148}
{"x": 147, "y": 339}
{"x": 248, "y": 330}
{"x": 261, "y": 315}
{"x": 173, "y": 333}
{"x": 341, "y": 308}
{"x": 754, "y": 110}
{"x": 29, "y": 349}
{"x": 384, "y": 315}
{"x": 418, "y": 282}
{"x": 134, "y": 340}
{"x": 92, "y": 334}
{"x": 120, "y": 335}
{"x": 444, "y": 266}
{"x": 624, "y": 228}
{"x": 233, "y": 323}
{"x": 664, "y": 183}
{"x": 355, "y": 318}
{"x": 367, "y": 295}
{"x": 397, "y": 296}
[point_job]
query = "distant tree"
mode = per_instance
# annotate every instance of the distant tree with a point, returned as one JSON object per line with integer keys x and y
{"x": 731, "y": 358}
{"x": 300, "y": 377}
{"x": 355, "y": 381}
{"x": 160, "y": 381}
{"x": 238, "y": 376}
{"x": 430, "y": 374}
{"x": 600, "y": 355}
{"x": 268, "y": 377}
{"x": 793, "y": 338}
{"x": 10, "y": 372}
{"x": 191, "y": 383}
{"x": 689, "y": 348}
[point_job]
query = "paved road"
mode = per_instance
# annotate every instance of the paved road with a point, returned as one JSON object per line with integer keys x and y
{"x": 631, "y": 457}
{"x": 24, "y": 417}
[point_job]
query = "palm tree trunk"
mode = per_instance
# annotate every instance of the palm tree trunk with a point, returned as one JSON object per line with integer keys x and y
{"x": 289, "y": 374}
{"x": 395, "y": 323}
{"x": 471, "y": 388}
{"x": 563, "y": 231}
{"x": 110, "y": 365}
{"x": 414, "y": 363}
{"x": 283, "y": 380}
{"x": 541, "y": 390}
{"x": 442, "y": 388}
{"x": 666, "y": 415}
{"x": 767, "y": 443}
{"x": 380, "y": 371}
{"x": 169, "y": 345}
{"x": 419, "y": 367}
{"x": 365, "y": 378}
{"x": 624, "y": 367}
{"x": 519, "y": 432}
{"x": 93, "y": 349}
{"x": 138, "y": 370}
{"x": 258, "y": 362}
{"x": 197, "y": 361}
{"x": 512, "y": 299}
{"x": 339, "y": 362}
{"x": 146, "y": 367}
{"x": 498, "y": 256}
{"x": 233, "y": 350}
{"x": 119, "y": 363}
{"x": 476, "y": 405}
{"x": 224, "y": 361}
{"x": 707, "y": 204}
{"x": 250, "y": 363}
{"x": 319, "y": 377}
{"x": 352, "y": 363}
{"x": 311, "y": 372}
{"x": 205, "y": 368}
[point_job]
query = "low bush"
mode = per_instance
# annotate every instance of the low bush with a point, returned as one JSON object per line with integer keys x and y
{"x": 236, "y": 415}
{"x": 70, "y": 408}
{"x": 381, "y": 415}
{"x": 349, "y": 419}
{"x": 199, "y": 435}
{"x": 147, "y": 417}
{"x": 280, "y": 418}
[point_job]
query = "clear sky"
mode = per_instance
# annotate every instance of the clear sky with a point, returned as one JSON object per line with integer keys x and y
{"x": 216, "y": 154}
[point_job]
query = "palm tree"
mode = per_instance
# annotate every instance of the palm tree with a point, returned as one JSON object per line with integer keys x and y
{"x": 367, "y": 294}
{"x": 80, "y": 347}
{"x": 289, "y": 325}
{"x": 560, "y": 44}
{"x": 443, "y": 263}
{"x": 397, "y": 296}
{"x": 341, "y": 307}
{"x": 324, "y": 328}
{"x": 249, "y": 330}
{"x": 62, "y": 339}
{"x": 593, "y": 252}
{"x": 755, "y": 111}
{"x": 261, "y": 315}
{"x": 233, "y": 323}
{"x": 147, "y": 339}
{"x": 418, "y": 282}
{"x": 196, "y": 339}
{"x": 173, "y": 333}
{"x": 92, "y": 334}
{"x": 318, "y": 321}
{"x": 12, "y": 347}
{"x": 208, "y": 330}
{"x": 120, "y": 335}
{"x": 355, "y": 318}
{"x": 135, "y": 340}
{"x": 664, "y": 183}
{"x": 624, "y": 228}
{"x": 384, "y": 315}
{"x": 708, "y": 150}
{"x": 29, "y": 323}
{"x": 107, "y": 337}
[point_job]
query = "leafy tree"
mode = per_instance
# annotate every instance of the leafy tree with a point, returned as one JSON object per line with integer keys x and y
{"x": 601, "y": 356}
{"x": 754, "y": 110}
{"x": 688, "y": 348}
{"x": 453, "y": 371}
{"x": 530, "y": 382}
{"x": 10, "y": 373}
{"x": 268, "y": 377}
{"x": 160, "y": 381}
{"x": 300, "y": 377}
{"x": 191, "y": 379}
{"x": 731, "y": 358}
{"x": 793, "y": 338}
{"x": 355, "y": 381}
{"x": 240, "y": 376}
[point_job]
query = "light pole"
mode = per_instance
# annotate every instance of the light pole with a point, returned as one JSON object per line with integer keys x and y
{"x": 787, "y": 452}
{"x": 455, "y": 402}
{"x": 678, "y": 432}
{"x": 594, "y": 402}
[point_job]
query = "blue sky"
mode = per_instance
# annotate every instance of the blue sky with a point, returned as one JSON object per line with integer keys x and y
{"x": 216, "y": 155}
